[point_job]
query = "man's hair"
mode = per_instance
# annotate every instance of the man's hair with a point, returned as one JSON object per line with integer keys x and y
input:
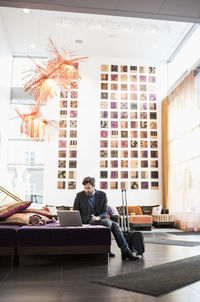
{"x": 90, "y": 180}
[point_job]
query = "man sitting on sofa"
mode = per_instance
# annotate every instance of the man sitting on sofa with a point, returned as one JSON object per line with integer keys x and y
{"x": 92, "y": 205}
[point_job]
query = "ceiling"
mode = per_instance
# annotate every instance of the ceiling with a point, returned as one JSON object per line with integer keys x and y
{"x": 92, "y": 35}
{"x": 173, "y": 10}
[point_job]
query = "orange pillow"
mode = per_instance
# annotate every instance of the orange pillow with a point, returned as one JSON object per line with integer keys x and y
{"x": 136, "y": 210}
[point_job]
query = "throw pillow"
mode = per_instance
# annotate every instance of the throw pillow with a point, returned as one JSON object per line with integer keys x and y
{"x": 157, "y": 210}
{"x": 112, "y": 211}
{"x": 12, "y": 208}
{"x": 135, "y": 209}
{"x": 23, "y": 219}
{"x": 39, "y": 212}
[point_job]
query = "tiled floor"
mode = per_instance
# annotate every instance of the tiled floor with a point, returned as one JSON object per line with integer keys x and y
{"x": 71, "y": 281}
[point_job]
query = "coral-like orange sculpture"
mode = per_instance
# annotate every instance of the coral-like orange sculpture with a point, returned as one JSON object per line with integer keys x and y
{"x": 36, "y": 126}
{"x": 44, "y": 82}
{"x": 57, "y": 72}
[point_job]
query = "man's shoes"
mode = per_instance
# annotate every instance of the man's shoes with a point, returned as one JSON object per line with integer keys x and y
{"x": 111, "y": 254}
{"x": 130, "y": 256}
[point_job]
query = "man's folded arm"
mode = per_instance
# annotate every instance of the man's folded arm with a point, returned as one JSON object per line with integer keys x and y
{"x": 104, "y": 208}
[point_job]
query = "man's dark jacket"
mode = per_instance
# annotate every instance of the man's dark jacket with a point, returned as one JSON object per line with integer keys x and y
{"x": 81, "y": 203}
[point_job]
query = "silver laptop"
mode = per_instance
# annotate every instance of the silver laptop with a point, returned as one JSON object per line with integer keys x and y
{"x": 69, "y": 218}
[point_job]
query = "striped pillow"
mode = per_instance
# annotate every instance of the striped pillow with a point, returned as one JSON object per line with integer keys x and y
{"x": 12, "y": 208}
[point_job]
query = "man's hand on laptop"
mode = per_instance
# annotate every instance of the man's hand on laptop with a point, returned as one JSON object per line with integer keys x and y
{"x": 95, "y": 218}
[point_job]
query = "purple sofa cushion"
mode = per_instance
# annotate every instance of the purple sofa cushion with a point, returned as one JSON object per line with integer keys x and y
{"x": 55, "y": 235}
{"x": 8, "y": 235}
{"x": 12, "y": 208}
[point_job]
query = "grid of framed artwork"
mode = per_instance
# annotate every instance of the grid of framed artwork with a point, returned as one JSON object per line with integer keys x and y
{"x": 67, "y": 145}
{"x": 128, "y": 127}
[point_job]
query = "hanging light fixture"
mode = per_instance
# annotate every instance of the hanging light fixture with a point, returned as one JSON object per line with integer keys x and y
{"x": 45, "y": 80}
{"x": 36, "y": 126}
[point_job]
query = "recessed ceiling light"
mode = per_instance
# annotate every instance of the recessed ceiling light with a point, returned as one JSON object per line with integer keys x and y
{"x": 26, "y": 10}
{"x": 78, "y": 41}
{"x": 32, "y": 46}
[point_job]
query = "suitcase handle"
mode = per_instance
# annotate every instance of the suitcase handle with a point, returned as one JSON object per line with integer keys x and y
{"x": 124, "y": 204}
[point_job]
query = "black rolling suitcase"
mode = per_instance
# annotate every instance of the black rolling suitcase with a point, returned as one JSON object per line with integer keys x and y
{"x": 134, "y": 239}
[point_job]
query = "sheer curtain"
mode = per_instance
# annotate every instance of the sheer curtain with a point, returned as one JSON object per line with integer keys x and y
{"x": 184, "y": 155}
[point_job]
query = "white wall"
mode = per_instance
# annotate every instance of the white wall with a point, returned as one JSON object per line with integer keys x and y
{"x": 89, "y": 139}
{"x": 5, "y": 84}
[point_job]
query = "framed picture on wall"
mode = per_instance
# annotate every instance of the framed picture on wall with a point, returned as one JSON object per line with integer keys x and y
{"x": 124, "y": 153}
{"x": 103, "y": 153}
{"x": 71, "y": 185}
{"x": 62, "y": 164}
{"x": 144, "y": 174}
{"x": 72, "y": 174}
{"x": 124, "y": 174}
{"x": 63, "y": 124}
{"x": 61, "y": 153}
{"x": 104, "y": 67}
{"x": 62, "y": 133}
{"x": 104, "y": 114}
{"x": 134, "y": 185}
{"x": 104, "y": 77}
{"x": 124, "y": 163}
{"x": 61, "y": 174}
{"x": 74, "y": 94}
{"x": 61, "y": 185}
{"x": 103, "y": 164}
{"x": 152, "y": 70}
{"x": 154, "y": 185}
{"x": 114, "y": 144}
{"x": 74, "y": 85}
{"x": 104, "y": 105}
{"x": 134, "y": 174}
{"x": 114, "y": 134}
{"x": 114, "y": 153}
{"x": 134, "y": 153}
{"x": 134, "y": 164}
{"x": 133, "y": 69}
{"x": 144, "y": 185}
{"x": 113, "y": 185}
{"x": 103, "y": 124}
{"x": 104, "y": 144}
{"x": 62, "y": 143}
{"x": 73, "y": 104}
{"x": 114, "y": 77}
{"x": 63, "y": 104}
{"x": 154, "y": 163}
{"x": 114, "y": 163}
{"x": 72, "y": 154}
{"x": 114, "y": 68}
{"x": 72, "y": 163}
{"x": 134, "y": 134}
{"x": 124, "y": 96}
{"x": 103, "y": 185}
{"x": 114, "y": 174}
{"x": 103, "y": 174}
{"x": 64, "y": 94}
{"x": 124, "y": 185}
{"x": 153, "y": 134}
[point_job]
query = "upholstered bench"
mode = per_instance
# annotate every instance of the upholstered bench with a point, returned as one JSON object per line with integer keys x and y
{"x": 52, "y": 239}
{"x": 8, "y": 239}
{"x": 8, "y": 243}
{"x": 163, "y": 220}
{"x": 140, "y": 222}
{"x": 136, "y": 219}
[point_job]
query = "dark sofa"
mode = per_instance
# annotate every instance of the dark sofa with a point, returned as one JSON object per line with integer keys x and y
{"x": 52, "y": 239}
